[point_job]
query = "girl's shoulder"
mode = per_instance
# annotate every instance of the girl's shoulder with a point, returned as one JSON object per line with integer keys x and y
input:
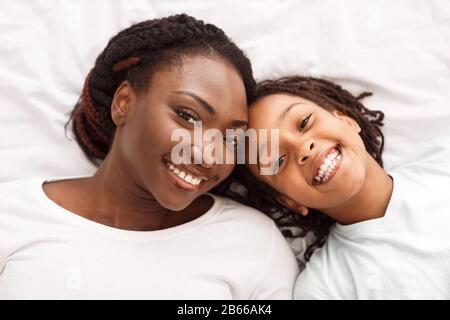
{"x": 428, "y": 168}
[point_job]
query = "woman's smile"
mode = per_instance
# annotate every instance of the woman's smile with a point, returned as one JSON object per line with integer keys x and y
{"x": 183, "y": 178}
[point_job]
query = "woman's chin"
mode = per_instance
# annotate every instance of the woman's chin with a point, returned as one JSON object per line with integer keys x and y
{"x": 174, "y": 202}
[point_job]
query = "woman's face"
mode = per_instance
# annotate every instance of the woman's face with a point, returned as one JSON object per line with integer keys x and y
{"x": 201, "y": 89}
{"x": 322, "y": 160}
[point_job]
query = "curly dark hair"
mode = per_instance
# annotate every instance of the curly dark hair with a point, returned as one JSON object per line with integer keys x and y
{"x": 134, "y": 54}
{"x": 331, "y": 97}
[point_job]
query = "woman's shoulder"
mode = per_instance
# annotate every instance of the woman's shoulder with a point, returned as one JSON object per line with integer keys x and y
{"x": 21, "y": 207}
{"x": 238, "y": 221}
{"x": 243, "y": 213}
{"x": 28, "y": 195}
{"x": 22, "y": 187}
{"x": 28, "y": 187}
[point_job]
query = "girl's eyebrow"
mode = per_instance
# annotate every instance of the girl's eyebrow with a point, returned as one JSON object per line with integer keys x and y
{"x": 286, "y": 111}
{"x": 202, "y": 102}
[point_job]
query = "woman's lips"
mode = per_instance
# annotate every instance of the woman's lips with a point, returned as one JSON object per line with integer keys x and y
{"x": 183, "y": 179}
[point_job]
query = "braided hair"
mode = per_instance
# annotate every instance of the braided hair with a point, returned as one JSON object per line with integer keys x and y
{"x": 330, "y": 97}
{"x": 134, "y": 54}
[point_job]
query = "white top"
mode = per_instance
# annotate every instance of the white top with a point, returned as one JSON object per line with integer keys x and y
{"x": 48, "y": 252}
{"x": 403, "y": 255}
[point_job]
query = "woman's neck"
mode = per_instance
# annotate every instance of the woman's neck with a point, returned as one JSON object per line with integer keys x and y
{"x": 370, "y": 202}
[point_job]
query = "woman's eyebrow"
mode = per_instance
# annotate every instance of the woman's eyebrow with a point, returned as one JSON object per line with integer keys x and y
{"x": 239, "y": 123}
{"x": 202, "y": 102}
{"x": 286, "y": 111}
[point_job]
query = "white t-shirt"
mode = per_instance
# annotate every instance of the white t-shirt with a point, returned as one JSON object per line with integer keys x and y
{"x": 48, "y": 252}
{"x": 403, "y": 255}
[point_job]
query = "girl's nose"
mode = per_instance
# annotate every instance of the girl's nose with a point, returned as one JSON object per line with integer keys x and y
{"x": 306, "y": 150}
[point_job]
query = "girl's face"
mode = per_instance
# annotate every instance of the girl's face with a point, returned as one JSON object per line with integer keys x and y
{"x": 201, "y": 89}
{"x": 322, "y": 160}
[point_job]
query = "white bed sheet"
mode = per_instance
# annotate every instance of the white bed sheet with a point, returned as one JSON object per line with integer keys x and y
{"x": 399, "y": 50}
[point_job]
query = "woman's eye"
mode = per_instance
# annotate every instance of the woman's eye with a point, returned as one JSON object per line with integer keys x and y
{"x": 304, "y": 123}
{"x": 188, "y": 115}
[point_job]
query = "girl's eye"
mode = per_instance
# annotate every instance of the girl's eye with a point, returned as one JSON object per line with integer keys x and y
{"x": 304, "y": 123}
{"x": 278, "y": 164}
{"x": 187, "y": 115}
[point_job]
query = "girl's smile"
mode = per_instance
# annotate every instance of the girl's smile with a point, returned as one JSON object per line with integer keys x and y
{"x": 327, "y": 165}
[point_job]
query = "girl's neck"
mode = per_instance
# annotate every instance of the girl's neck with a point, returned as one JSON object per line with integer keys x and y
{"x": 370, "y": 202}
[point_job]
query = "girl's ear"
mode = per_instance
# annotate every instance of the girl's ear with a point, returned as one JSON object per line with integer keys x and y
{"x": 293, "y": 205}
{"x": 350, "y": 121}
{"x": 121, "y": 103}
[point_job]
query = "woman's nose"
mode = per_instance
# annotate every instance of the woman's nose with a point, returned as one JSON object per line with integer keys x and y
{"x": 306, "y": 150}
{"x": 202, "y": 156}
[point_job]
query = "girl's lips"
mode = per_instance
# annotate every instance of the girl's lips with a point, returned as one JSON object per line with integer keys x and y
{"x": 321, "y": 160}
{"x": 336, "y": 169}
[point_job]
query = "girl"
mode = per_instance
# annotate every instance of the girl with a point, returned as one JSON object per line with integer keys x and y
{"x": 385, "y": 233}
{"x": 143, "y": 226}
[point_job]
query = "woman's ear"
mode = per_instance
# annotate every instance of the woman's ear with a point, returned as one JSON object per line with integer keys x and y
{"x": 293, "y": 205}
{"x": 350, "y": 121}
{"x": 121, "y": 103}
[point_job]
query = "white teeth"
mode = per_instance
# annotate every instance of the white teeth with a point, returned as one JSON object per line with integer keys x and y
{"x": 327, "y": 167}
{"x": 183, "y": 175}
{"x": 330, "y": 157}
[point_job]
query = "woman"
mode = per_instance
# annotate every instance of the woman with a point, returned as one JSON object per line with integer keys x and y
{"x": 385, "y": 233}
{"x": 143, "y": 226}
